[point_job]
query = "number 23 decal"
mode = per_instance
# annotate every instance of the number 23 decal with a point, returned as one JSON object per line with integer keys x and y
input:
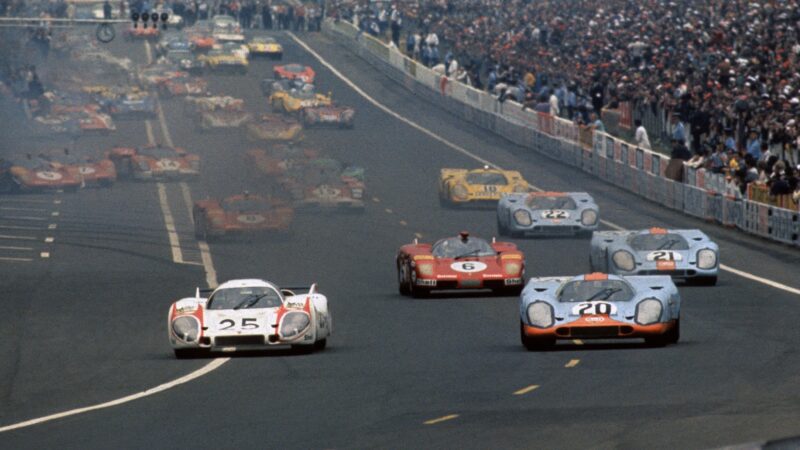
{"x": 247, "y": 324}
{"x": 588, "y": 308}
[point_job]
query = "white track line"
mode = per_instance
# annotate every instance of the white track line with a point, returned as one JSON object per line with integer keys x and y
{"x": 152, "y": 391}
{"x": 211, "y": 278}
{"x": 169, "y": 222}
{"x": 205, "y": 252}
{"x": 466, "y": 152}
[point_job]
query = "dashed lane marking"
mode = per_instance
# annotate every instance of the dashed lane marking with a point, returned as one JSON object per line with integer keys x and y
{"x": 577, "y": 342}
{"x": 52, "y": 226}
{"x": 525, "y": 390}
{"x": 13, "y": 208}
{"x": 404, "y": 223}
{"x": 44, "y": 254}
{"x": 10, "y": 259}
{"x": 148, "y": 128}
{"x": 572, "y": 363}
{"x": 19, "y": 227}
{"x": 33, "y": 218}
{"x": 468, "y": 153}
{"x": 418, "y": 235}
{"x": 388, "y": 210}
{"x": 55, "y": 213}
{"x": 49, "y": 239}
{"x": 11, "y": 247}
{"x": 440, "y": 419}
{"x": 205, "y": 251}
{"x": 376, "y": 199}
{"x": 20, "y": 238}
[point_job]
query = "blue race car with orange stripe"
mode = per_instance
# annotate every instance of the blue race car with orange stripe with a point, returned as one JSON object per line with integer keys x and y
{"x": 599, "y": 306}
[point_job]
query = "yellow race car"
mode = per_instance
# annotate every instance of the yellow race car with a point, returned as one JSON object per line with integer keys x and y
{"x": 293, "y": 100}
{"x": 265, "y": 46}
{"x": 477, "y": 187}
{"x": 225, "y": 59}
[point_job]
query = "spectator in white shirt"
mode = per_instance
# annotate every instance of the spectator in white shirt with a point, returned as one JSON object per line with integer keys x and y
{"x": 642, "y": 141}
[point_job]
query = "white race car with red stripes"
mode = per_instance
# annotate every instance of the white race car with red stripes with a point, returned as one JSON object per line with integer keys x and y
{"x": 249, "y": 314}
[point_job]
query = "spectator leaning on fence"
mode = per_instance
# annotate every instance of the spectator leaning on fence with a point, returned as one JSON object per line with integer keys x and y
{"x": 642, "y": 140}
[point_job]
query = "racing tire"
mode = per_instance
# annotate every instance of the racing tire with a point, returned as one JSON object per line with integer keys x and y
{"x": 320, "y": 345}
{"x": 402, "y": 286}
{"x": 670, "y": 337}
{"x": 533, "y": 344}
{"x": 417, "y": 292}
{"x": 513, "y": 291}
{"x": 501, "y": 229}
{"x": 704, "y": 281}
{"x": 200, "y": 229}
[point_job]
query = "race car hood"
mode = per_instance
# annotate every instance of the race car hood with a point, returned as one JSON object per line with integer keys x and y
{"x": 229, "y": 322}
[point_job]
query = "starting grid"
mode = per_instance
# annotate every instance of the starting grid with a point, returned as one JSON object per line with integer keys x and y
{"x": 613, "y": 160}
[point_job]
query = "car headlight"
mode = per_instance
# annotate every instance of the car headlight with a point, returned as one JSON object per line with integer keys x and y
{"x": 648, "y": 311}
{"x": 294, "y": 324}
{"x": 522, "y": 217}
{"x": 425, "y": 269}
{"x": 540, "y": 314}
{"x": 706, "y": 259}
{"x": 623, "y": 260}
{"x": 512, "y": 268}
{"x": 520, "y": 188}
{"x": 186, "y": 328}
{"x": 589, "y": 217}
{"x": 460, "y": 191}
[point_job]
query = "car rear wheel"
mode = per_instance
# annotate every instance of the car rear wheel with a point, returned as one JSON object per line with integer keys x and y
{"x": 320, "y": 345}
{"x": 533, "y": 344}
{"x": 501, "y": 229}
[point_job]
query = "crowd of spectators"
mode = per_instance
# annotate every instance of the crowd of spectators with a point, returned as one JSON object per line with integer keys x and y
{"x": 725, "y": 72}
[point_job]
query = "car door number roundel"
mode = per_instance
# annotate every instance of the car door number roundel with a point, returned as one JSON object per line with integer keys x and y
{"x": 167, "y": 164}
{"x": 250, "y": 218}
{"x": 48, "y": 175}
{"x": 555, "y": 214}
{"x": 593, "y": 308}
{"x": 664, "y": 255}
{"x": 86, "y": 170}
{"x": 327, "y": 192}
{"x": 468, "y": 266}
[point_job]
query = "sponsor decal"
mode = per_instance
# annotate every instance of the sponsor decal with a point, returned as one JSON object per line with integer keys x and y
{"x": 595, "y": 319}
{"x": 250, "y": 219}
{"x": 86, "y": 170}
{"x": 168, "y": 164}
{"x": 49, "y": 176}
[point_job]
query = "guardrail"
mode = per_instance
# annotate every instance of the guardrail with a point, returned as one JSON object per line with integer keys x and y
{"x": 612, "y": 159}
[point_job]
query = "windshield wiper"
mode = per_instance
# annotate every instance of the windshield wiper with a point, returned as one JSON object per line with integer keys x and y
{"x": 605, "y": 293}
{"x": 247, "y": 302}
{"x": 469, "y": 253}
{"x": 667, "y": 244}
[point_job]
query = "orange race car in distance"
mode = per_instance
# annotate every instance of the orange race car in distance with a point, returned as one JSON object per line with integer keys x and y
{"x": 462, "y": 262}
{"x": 155, "y": 162}
{"x": 89, "y": 171}
{"x": 279, "y": 158}
{"x": 295, "y": 72}
{"x": 28, "y": 173}
{"x": 243, "y": 213}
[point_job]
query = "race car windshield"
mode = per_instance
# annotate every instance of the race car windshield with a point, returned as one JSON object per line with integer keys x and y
{"x": 559, "y": 202}
{"x": 457, "y": 248}
{"x": 650, "y": 242}
{"x": 62, "y": 158}
{"x": 244, "y": 298}
{"x": 585, "y": 291}
{"x": 246, "y": 205}
{"x": 158, "y": 152}
{"x": 32, "y": 164}
{"x": 264, "y": 40}
{"x": 296, "y": 68}
{"x": 177, "y": 55}
{"x": 487, "y": 178}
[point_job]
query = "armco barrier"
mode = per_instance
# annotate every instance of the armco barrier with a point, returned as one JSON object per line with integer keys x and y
{"x": 782, "y": 225}
{"x": 614, "y": 160}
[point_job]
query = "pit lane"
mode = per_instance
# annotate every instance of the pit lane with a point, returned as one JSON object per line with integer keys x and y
{"x": 393, "y": 362}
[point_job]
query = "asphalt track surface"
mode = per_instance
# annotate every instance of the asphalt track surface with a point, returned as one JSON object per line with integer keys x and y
{"x": 86, "y": 323}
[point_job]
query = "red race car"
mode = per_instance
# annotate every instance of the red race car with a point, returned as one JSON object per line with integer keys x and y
{"x": 463, "y": 262}
{"x": 182, "y": 86}
{"x": 340, "y": 116}
{"x": 142, "y": 33}
{"x": 244, "y": 213}
{"x": 29, "y": 173}
{"x": 90, "y": 171}
{"x": 295, "y": 72}
{"x": 202, "y": 42}
{"x": 155, "y": 162}
{"x": 279, "y": 159}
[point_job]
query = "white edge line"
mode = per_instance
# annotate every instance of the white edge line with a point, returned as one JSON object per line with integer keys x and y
{"x": 466, "y": 152}
{"x": 216, "y": 363}
{"x": 205, "y": 252}
{"x": 169, "y": 222}
{"x": 211, "y": 278}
